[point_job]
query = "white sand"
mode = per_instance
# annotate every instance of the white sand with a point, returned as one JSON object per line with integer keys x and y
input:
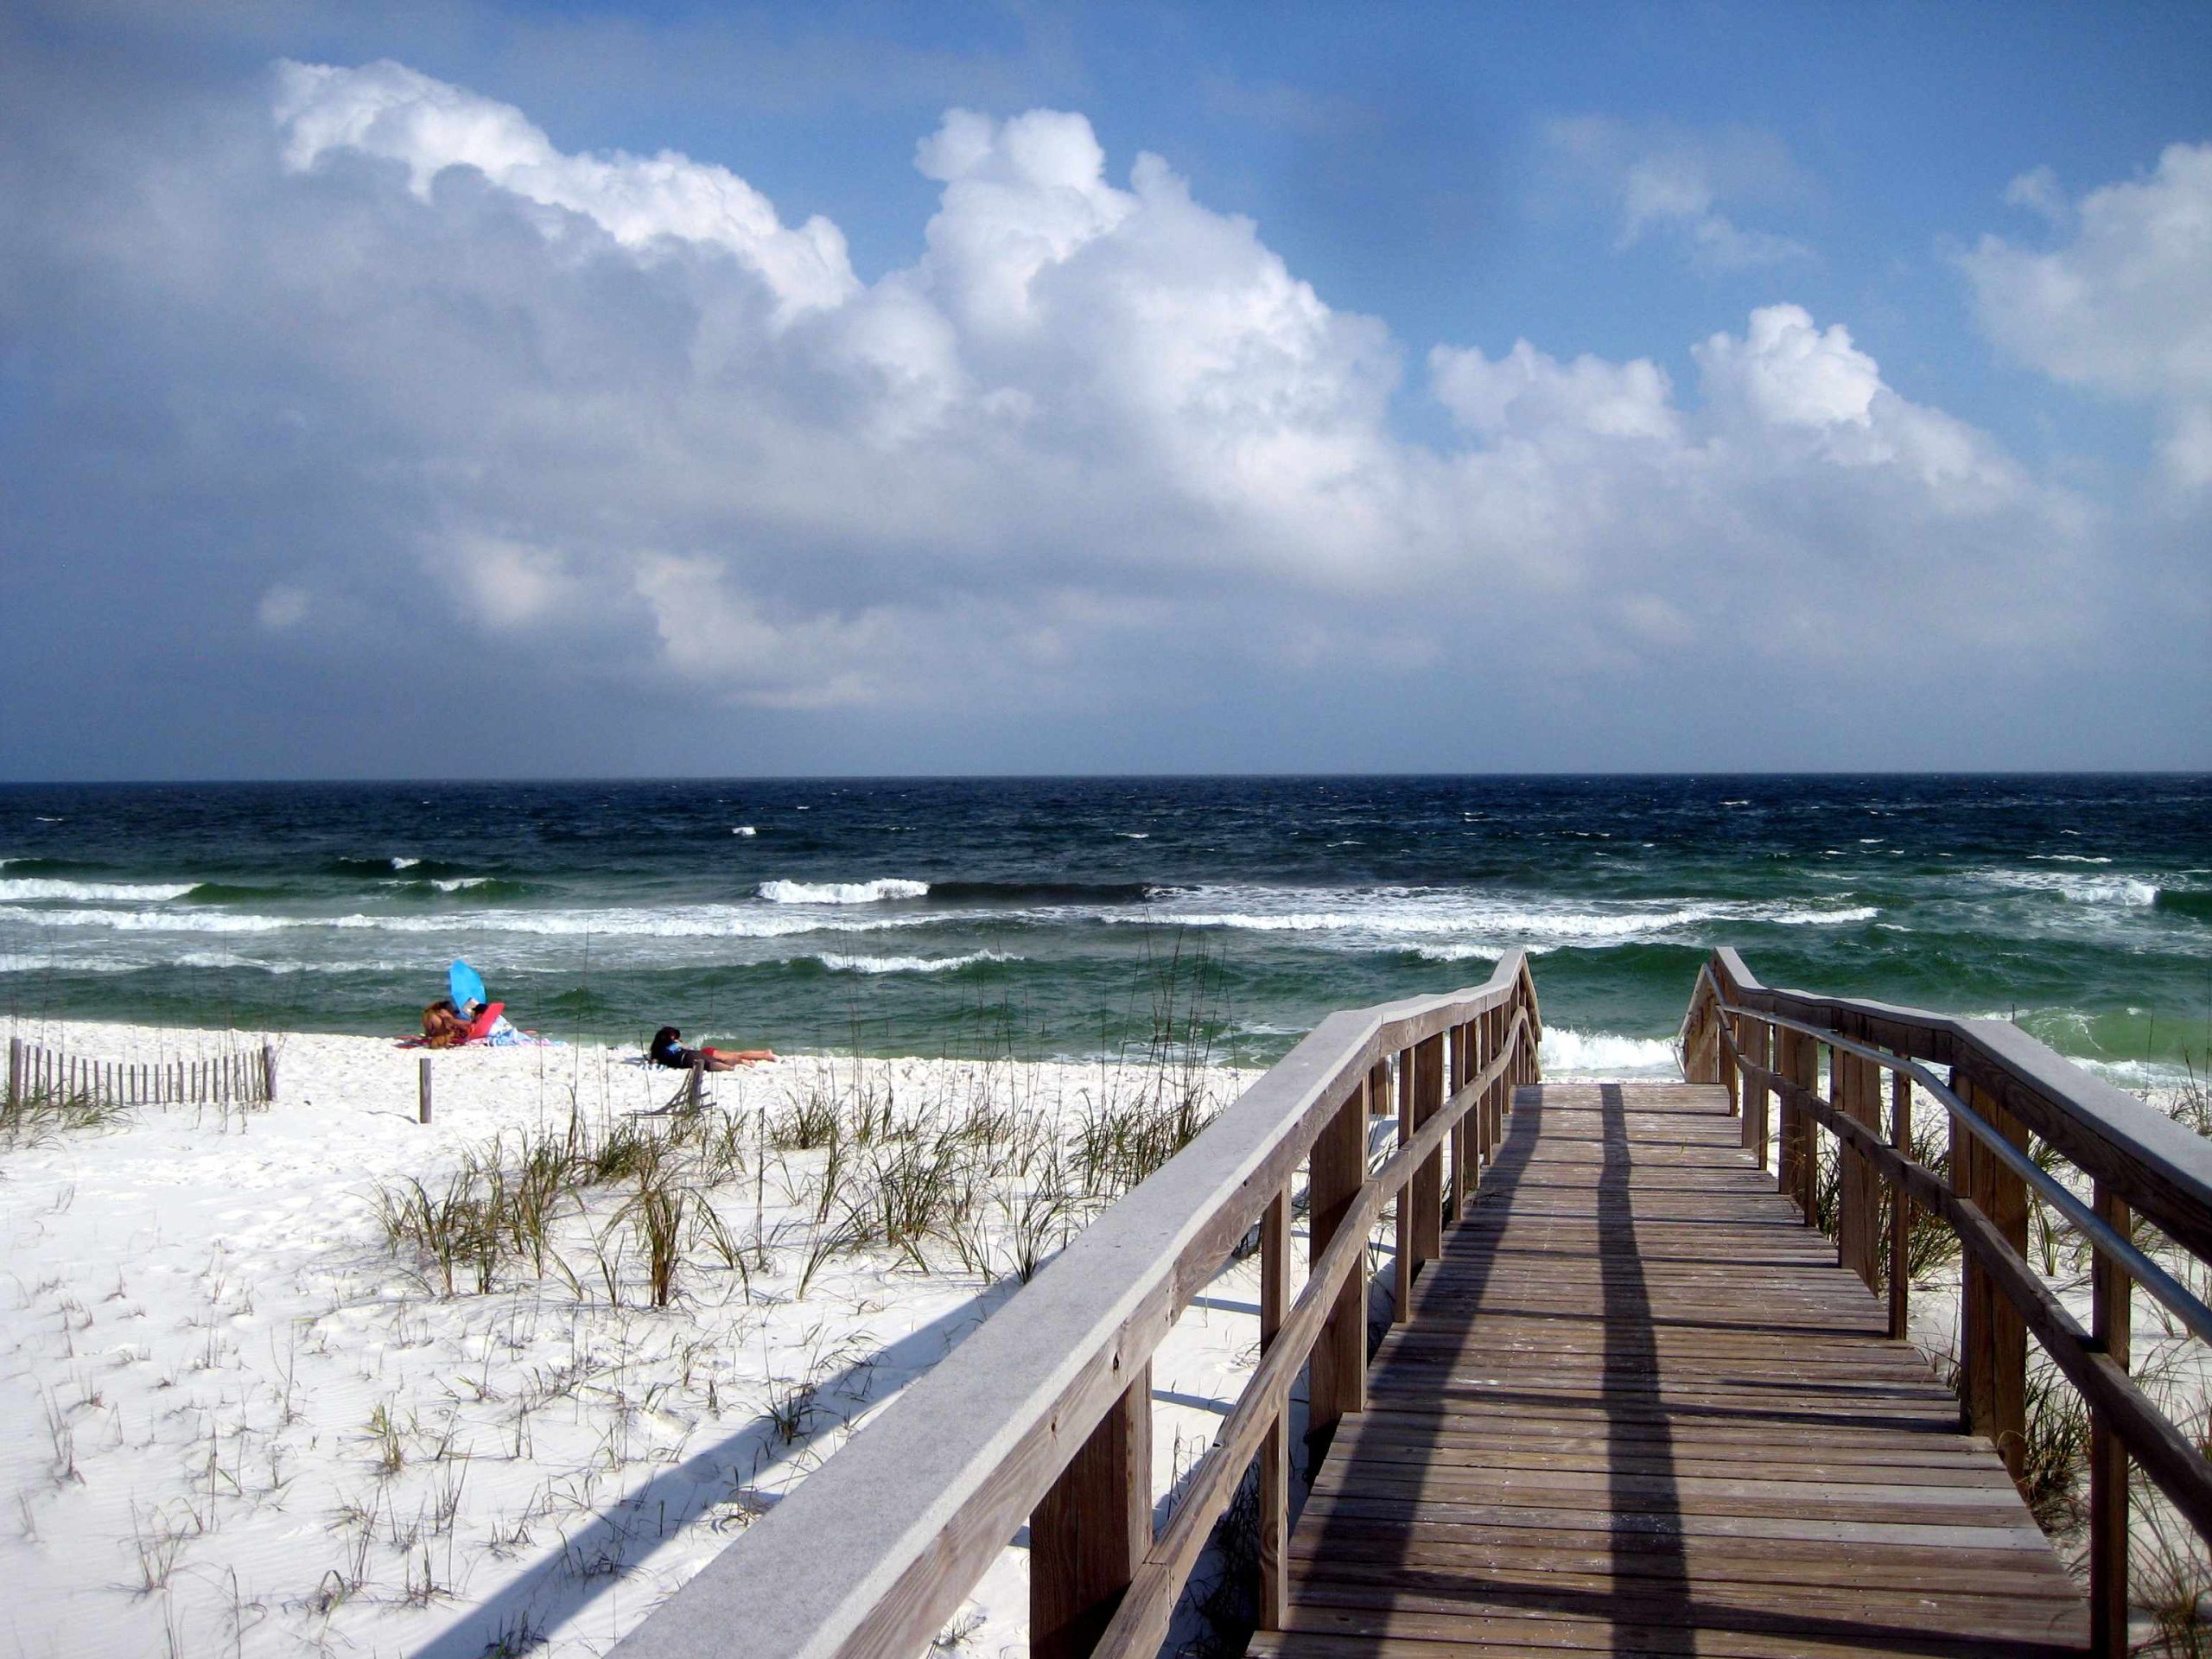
{"x": 203, "y": 1334}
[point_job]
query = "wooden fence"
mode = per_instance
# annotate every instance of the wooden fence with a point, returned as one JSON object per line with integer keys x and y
{"x": 2001, "y": 1088}
{"x": 36, "y": 1073}
{"x": 1044, "y": 1414}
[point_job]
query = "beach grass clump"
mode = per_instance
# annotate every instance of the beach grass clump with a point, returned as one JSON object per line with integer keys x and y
{"x": 32, "y": 1117}
{"x": 2054, "y": 1458}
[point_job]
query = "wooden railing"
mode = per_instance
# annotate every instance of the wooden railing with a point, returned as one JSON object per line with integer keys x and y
{"x": 1044, "y": 1414}
{"x": 36, "y": 1072}
{"x": 2001, "y": 1087}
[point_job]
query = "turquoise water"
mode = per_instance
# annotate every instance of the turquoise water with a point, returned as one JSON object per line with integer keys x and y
{"x": 1059, "y": 916}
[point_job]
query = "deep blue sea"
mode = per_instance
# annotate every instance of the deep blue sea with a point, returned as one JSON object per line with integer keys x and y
{"x": 1066, "y": 916}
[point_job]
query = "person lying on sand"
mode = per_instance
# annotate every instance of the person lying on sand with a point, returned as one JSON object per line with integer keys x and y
{"x": 442, "y": 1026}
{"x": 666, "y": 1050}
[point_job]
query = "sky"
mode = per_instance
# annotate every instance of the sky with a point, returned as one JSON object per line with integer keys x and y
{"x": 508, "y": 391}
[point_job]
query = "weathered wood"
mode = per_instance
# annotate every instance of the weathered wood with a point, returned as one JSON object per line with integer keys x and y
{"x": 2161, "y": 1169}
{"x": 1565, "y": 1449}
{"x": 873, "y": 1552}
{"x": 2111, "y": 1332}
{"x": 1091, "y": 1529}
{"x": 1859, "y": 1197}
{"x": 1800, "y": 1063}
{"x": 422, "y": 1089}
{"x": 1900, "y": 1277}
{"x": 1428, "y": 1094}
{"x": 1275, "y": 1451}
{"x": 1993, "y": 1341}
{"x": 1336, "y": 1382}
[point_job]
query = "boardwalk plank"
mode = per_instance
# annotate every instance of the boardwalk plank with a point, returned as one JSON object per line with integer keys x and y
{"x": 1640, "y": 1410}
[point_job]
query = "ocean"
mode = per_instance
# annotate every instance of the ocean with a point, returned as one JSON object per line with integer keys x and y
{"x": 1078, "y": 917}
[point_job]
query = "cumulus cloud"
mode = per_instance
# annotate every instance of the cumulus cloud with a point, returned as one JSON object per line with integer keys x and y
{"x": 1666, "y": 181}
{"x": 2124, "y": 306}
{"x": 607, "y": 420}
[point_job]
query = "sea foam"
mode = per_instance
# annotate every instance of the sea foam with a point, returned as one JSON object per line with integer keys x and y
{"x": 845, "y": 964}
{"x": 1569, "y": 1052}
{"x": 841, "y": 892}
{"x": 92, "y": 892}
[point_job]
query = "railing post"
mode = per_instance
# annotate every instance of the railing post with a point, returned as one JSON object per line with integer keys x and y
{"x": 1455, "y": 1074}
{"x": 2111, "y": 1322}
{"x": 1859, "y": 1196}
{"x": 1427, "y": 1069}
{"x": 1757, "y": 1044}
{"x": 1993, "y": 1339}
{"x": 1336, "y": 1379}
{"x": 1900, "y": 1206}
{"x": 1090, "y": 1531}
{"x": 1275, "y": 1451}
{"x": 1402, "y": 1258}
{"x": 1799, "y": 1065}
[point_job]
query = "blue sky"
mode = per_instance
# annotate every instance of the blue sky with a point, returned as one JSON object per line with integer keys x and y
{"x": 358, "y": 365}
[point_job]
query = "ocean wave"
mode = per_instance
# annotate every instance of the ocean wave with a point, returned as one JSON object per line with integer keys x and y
{"x": 723, "y": 921}
{"x": 1046, "y": 893}
{"x": 1391, "y": 914}
{"x": 2079, "y": 889}
{"x": 743, "y": 830}
{"x": 2066, "y": 858}
{"x": 1569, "y": 1052}
{"x": 20, "y": 888}
{"x": 420, "y": 869}
{"x": 844, "y": 965}
{"x": 843, "y": 892}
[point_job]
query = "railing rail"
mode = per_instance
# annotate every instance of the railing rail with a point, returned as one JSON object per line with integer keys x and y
{"x": 1043, "y": 1414}
{"x": 2003, "y": 1086}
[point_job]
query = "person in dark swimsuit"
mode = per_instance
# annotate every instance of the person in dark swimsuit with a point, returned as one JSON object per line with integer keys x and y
{"x": 666, "y": 1050}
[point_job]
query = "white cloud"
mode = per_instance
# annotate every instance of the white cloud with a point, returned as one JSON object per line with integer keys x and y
{"x": 388, "y": 109}
{"x": 2125, "y": 306}
{"x": 1790, "y": 372}
{"x": 1668, "y": 181}
{"x": 606, "y": 419}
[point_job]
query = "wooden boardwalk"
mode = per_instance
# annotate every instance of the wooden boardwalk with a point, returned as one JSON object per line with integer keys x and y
{"x": 1639, "y": 1410}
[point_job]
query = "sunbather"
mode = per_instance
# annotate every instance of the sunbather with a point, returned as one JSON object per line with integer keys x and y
{"x": 666, "y": 1050}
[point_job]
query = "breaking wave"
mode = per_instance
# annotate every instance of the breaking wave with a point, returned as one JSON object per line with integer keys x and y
{"x": 843, "y": 892}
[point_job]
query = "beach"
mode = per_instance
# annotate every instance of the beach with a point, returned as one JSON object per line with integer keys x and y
{"x": 236, "y": 1418}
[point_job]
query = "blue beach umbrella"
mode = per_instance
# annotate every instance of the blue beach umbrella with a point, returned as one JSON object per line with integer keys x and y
{"x": 464, "y": 983}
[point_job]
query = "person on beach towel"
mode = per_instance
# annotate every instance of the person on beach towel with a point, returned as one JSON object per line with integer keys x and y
{"x": 442, "y": 1026}
{"x": 666, "y": 1050}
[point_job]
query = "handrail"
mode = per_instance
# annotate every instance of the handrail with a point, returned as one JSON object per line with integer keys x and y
{"x": 1140, "y": 1623}
{"x": 2004, "y": 1084}
{"x": 872, "y": 1554}
{"x": 2171, "y": 1292}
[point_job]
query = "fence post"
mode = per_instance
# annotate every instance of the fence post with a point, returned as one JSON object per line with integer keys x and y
{"x": 1800, "y": 1067}
{"x": 1275, "y": 1451}
{"x": 1456, "y": 1073}
{"x": 422, "y": 1089}
{"x": 1427, "y": 1072}
{"x": 269, "y": 1071}
{"x": 1858, "y": 1195}
{"x": 1900, "y": 1206}
{"x": 2111, "y": 1321}
{"x": 1757, "y": 1046}
{"x": 1993, "y": 1346}
{"x": 1336, "y": 1379}
{"x": 15, "y": 1070}
{"x": 1090, "y": 1531}
{"x": 692, "y": 1085}
{"x": 1401, "y": 1260}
